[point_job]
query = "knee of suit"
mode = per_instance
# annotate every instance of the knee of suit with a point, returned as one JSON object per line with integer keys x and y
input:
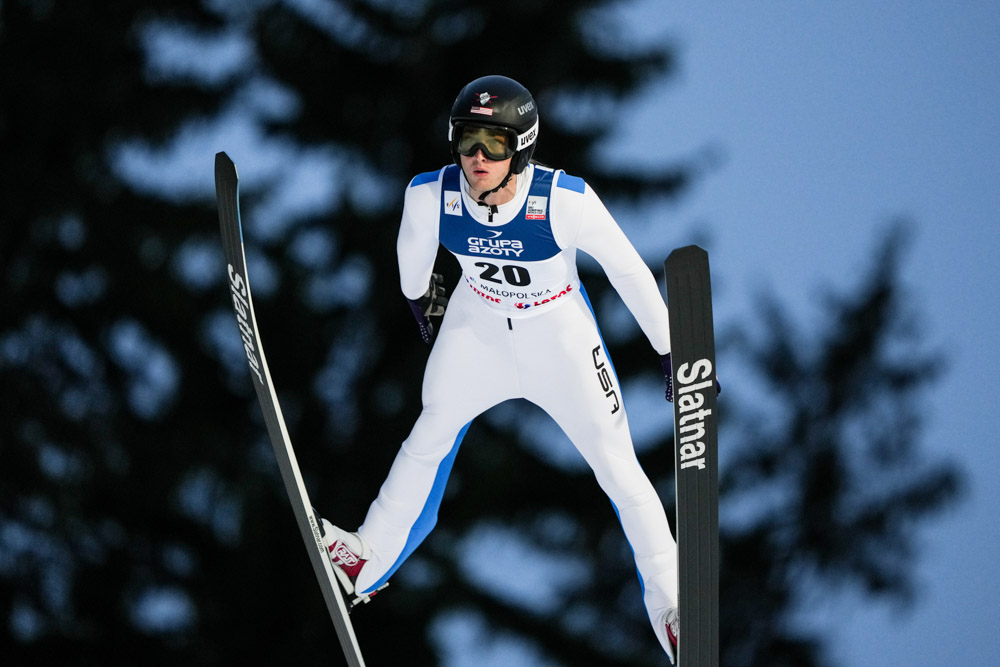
{"x": 627, "y": 486}
{"x": 432, "y": 437}
{"x": 429, "y": 452}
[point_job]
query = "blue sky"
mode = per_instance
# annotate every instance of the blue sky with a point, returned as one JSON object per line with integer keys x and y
{"x": 832, "y": 119}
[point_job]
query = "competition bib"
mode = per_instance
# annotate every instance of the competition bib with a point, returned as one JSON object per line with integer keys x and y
{"x": 516, "y": 267}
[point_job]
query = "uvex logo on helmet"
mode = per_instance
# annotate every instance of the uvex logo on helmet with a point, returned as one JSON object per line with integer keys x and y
{"x": 527, "y": 138}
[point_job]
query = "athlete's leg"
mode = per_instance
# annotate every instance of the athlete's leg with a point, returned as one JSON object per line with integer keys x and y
{"x": 469, "y": 370}
{"x": 572, "y": 379}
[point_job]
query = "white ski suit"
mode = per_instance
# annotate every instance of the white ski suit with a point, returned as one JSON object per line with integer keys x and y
{"x": 519, "y": 325}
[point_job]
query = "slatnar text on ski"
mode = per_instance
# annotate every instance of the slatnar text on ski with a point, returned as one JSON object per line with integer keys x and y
{"x": 691, "y": 401}
{"x": 238, "y": 288}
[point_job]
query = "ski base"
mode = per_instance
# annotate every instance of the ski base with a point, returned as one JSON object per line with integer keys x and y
{"x": 227, "y": 196}
{"x": 692, "y": 354}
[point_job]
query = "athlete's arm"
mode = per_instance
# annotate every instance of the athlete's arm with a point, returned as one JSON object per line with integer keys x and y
{"x": 600, "y": 237}
{"x": 417, "y": 243}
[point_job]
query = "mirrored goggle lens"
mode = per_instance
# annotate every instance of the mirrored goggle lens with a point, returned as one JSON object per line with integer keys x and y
{"x": 495, "y": 144}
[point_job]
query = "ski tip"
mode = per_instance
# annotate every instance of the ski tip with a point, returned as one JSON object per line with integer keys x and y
{"x": 691, "y": 255}
{"x": 225, "y": 168}
{"x": 687, "y": 251}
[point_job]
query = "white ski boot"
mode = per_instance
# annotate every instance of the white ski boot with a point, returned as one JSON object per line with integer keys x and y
{"x": 348, "y": 553}
{"x": 672, "y": 621}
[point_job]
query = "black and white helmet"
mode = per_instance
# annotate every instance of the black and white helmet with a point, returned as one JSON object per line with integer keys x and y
{"x": 506, "y": 110}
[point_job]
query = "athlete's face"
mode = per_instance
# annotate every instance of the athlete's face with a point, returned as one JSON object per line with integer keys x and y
{"x": 483, "y": 173}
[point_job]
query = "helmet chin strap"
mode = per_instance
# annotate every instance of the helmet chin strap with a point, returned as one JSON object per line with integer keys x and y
{"x": 482, "y": 197}
{"x": 503, "y": 184}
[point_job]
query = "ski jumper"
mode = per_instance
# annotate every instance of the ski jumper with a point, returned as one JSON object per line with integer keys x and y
{"x": 519, "y": 325}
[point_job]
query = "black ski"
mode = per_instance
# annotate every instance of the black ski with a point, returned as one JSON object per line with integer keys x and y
{"x": 696, "y": 434}
{"x": 227, "y": 195}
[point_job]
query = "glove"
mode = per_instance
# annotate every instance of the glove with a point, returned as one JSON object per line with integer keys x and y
{"x": 431, "y": 304}
{"x": 668, "y": 376}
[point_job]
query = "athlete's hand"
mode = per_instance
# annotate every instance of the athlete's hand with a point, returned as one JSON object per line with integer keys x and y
{"x": 433, "y": 301}
{"x": 431, "y": 304}
{"x": 668, "y": 376}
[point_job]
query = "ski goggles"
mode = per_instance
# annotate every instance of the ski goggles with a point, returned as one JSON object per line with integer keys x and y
{"x": 497, "y": 143}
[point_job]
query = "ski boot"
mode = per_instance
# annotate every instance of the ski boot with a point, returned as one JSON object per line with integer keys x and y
{"x": 348, "y": 553}
{"x": 672, "y": 620}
